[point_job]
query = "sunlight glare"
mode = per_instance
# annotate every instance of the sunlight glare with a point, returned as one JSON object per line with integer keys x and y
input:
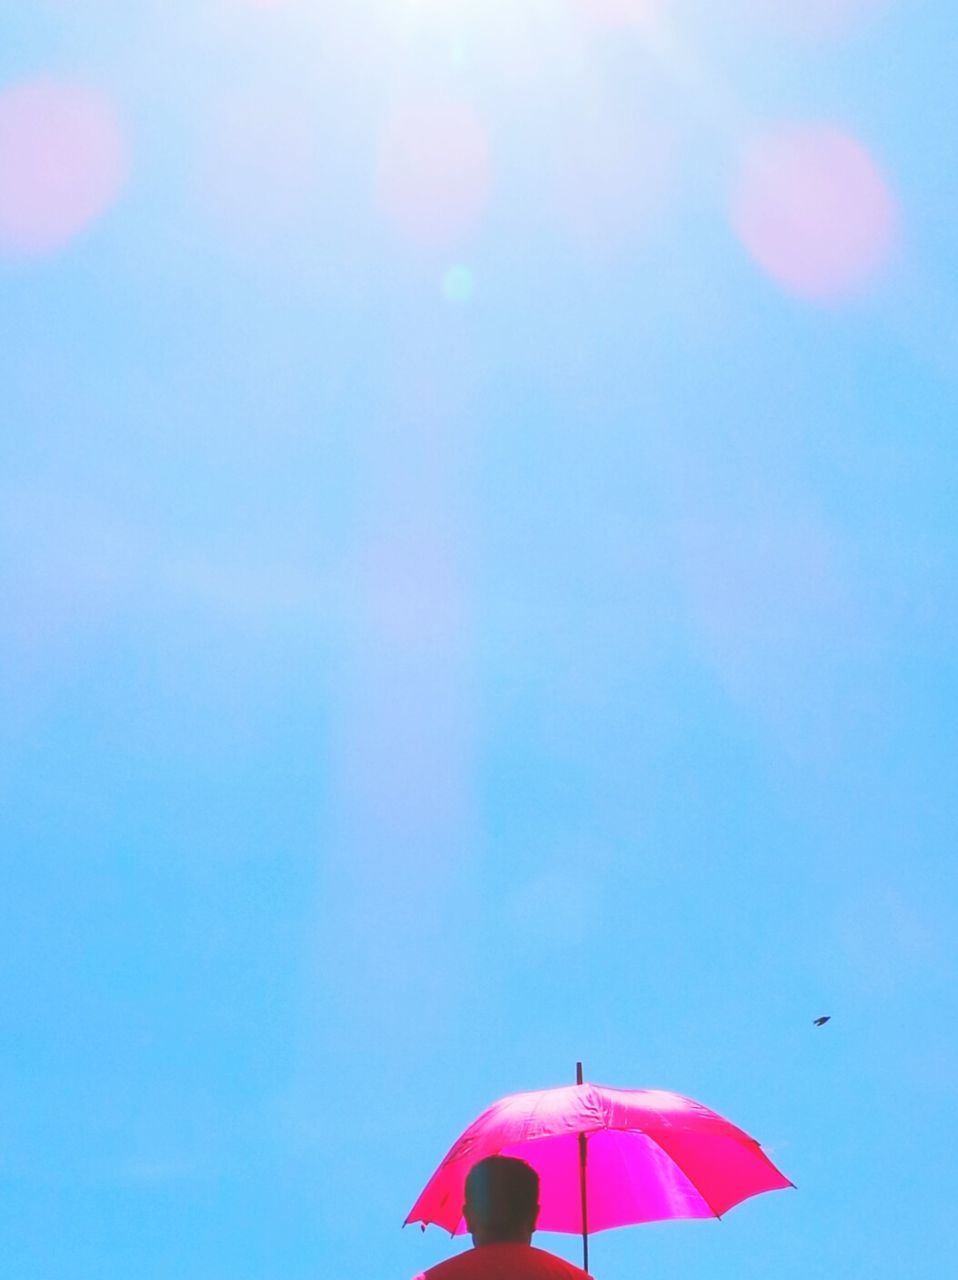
{"x": 63, "y": 162}
{"x": 458, "y": 284}
{"x": 435, "y": 170}
{"x": 814, "y": 212}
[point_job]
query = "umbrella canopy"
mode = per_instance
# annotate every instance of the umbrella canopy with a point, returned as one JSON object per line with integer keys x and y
{"x": 649, "y": 1155}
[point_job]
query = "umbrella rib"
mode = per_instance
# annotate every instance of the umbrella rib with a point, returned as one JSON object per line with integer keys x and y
{"x": 683, "y": 1170}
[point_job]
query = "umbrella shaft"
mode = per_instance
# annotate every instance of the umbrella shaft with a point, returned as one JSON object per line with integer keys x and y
{"x": 585, "y": 1202}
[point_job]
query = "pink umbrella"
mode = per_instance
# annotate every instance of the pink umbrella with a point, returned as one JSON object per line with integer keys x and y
{"x": 606, "y": 1158}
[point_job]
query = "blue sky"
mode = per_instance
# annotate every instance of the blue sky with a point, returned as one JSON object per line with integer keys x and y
{"x": 478, "y": 541}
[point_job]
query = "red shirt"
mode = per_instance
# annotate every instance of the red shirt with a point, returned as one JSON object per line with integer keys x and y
{"x": 504, "y": 1262}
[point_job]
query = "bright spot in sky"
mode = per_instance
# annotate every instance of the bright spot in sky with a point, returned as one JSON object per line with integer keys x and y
{"x": 435, "y": 170}
{"x": 458, "y": 284}
{"x": 63, "y": 161}
{"x": 814, "y": 212}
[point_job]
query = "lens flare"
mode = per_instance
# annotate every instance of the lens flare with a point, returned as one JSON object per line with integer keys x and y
{"x": 435, "y": 170}
{"x": 458, "y": 284}
{"x": 814, "y": 211}
{"x": 63, "y": 162}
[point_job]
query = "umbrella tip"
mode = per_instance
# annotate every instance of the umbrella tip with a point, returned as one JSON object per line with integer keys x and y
{"x": 578, "y": 1073}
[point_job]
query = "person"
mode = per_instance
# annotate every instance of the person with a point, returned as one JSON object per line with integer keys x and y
{"x": 501, "y": 1211}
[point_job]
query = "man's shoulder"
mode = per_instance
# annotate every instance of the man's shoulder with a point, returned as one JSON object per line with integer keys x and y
{"x": 504, "y": 1262}
{"x": 559, "y": 1266}
{"x": 460, "y": 1267}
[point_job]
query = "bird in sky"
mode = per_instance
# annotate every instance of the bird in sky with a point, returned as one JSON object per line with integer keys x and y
{"x": 820, "y": 1022}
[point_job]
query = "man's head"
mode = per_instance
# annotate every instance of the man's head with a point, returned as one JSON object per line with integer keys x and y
{"x": 502, "y": 1201}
